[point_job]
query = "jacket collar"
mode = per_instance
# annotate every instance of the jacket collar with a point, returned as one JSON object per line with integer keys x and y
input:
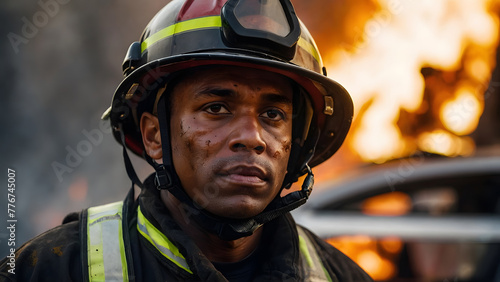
{"x": 156, "y": 225}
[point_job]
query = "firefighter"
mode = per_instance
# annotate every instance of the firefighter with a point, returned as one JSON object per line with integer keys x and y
{"x": 228, "y": 100}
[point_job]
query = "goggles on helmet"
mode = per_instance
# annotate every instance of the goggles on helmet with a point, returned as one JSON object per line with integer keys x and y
{"x": 268, "y": 26}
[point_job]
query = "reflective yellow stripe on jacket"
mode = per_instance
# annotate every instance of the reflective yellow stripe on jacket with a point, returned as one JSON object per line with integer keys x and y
{"x": 160, "y": 241}
{"x": 314, "y": 269}
{"x": 106, "y": 251}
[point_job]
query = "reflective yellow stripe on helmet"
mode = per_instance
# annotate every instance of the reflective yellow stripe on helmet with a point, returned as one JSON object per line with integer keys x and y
{"x": 105, "y": 247}
{"x": 211, "y": 22}
{"x": 189, "y": 25}
{"x": 160, "y": 241}
{"x": 309, "y": 48}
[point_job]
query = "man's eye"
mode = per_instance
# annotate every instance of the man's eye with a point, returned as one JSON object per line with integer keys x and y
{"x": 216, "y": 109}
{"x": 274, "y": 115}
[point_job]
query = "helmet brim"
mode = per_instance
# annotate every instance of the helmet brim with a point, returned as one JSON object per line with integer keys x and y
{"x": 333, "y": 120}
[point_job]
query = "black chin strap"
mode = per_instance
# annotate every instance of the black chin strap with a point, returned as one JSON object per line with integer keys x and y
{"x": 128, "y": 164}
{"x": 226, "y": 228}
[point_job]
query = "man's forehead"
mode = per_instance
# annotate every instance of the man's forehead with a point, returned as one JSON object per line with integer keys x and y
{"x": 272, "y": 95}
{"x": 224, "y": 81}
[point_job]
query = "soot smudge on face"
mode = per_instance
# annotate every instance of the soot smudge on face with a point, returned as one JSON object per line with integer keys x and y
{"x": 286, "y": 146}
{"x": 276, "y": 154}
{"x": 182, "y": 129}
{"x": 188, "y": 145}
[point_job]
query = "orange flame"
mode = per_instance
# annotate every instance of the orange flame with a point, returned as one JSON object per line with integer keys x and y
{"x": 376, "y": 257}
{"x": 419, "y": 69}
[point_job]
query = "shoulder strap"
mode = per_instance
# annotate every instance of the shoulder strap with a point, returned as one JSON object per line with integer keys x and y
{"x": 314, "y": 269}
{"x": 105, "y": 248}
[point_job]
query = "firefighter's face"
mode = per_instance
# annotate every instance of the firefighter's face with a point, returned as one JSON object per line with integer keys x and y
{"x": 231, "y": 131}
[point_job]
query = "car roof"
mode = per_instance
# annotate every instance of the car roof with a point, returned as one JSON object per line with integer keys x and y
{"x": 401, "y": 174}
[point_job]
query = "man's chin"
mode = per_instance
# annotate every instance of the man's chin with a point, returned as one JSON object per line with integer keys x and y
{"x": 240, "y": 210}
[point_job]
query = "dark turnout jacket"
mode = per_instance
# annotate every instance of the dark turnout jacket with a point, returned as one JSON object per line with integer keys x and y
{"x": 57, "y": 254}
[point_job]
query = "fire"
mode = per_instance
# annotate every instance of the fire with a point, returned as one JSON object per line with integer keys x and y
{"x": 376, "y": 257}
{"x": 419, "y": 68}
{"x": 395, "y": 203}
{"x": 418, "y": 72}
{"x": 461, "y": 114}
{"x": 444, "y": 143}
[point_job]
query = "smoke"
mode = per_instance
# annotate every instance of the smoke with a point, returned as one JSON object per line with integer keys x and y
{"x": 61, "y": 62}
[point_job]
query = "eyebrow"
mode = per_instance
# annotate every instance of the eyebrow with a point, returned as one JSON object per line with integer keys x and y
{"x": 215, "y": 91}
{"x": 224, "y": 92}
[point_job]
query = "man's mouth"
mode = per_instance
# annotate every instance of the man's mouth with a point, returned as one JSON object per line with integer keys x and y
{"x": 243, "y": 174}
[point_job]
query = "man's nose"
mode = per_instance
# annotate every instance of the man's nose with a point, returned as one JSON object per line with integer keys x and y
{"x": 247, "y": 135}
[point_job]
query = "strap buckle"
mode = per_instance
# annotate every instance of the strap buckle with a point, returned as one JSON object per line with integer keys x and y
{"x": 307, "y": 185}
{"x": 162, "y": 178}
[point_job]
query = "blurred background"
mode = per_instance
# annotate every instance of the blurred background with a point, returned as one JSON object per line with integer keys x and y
{"x": 422, "y": 75}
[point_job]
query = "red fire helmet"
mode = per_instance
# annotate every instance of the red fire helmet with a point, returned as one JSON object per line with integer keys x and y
{"x": 259, "y": 34}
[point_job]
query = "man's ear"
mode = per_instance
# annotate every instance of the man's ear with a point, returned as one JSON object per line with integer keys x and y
{"x": 151, "y": 137}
